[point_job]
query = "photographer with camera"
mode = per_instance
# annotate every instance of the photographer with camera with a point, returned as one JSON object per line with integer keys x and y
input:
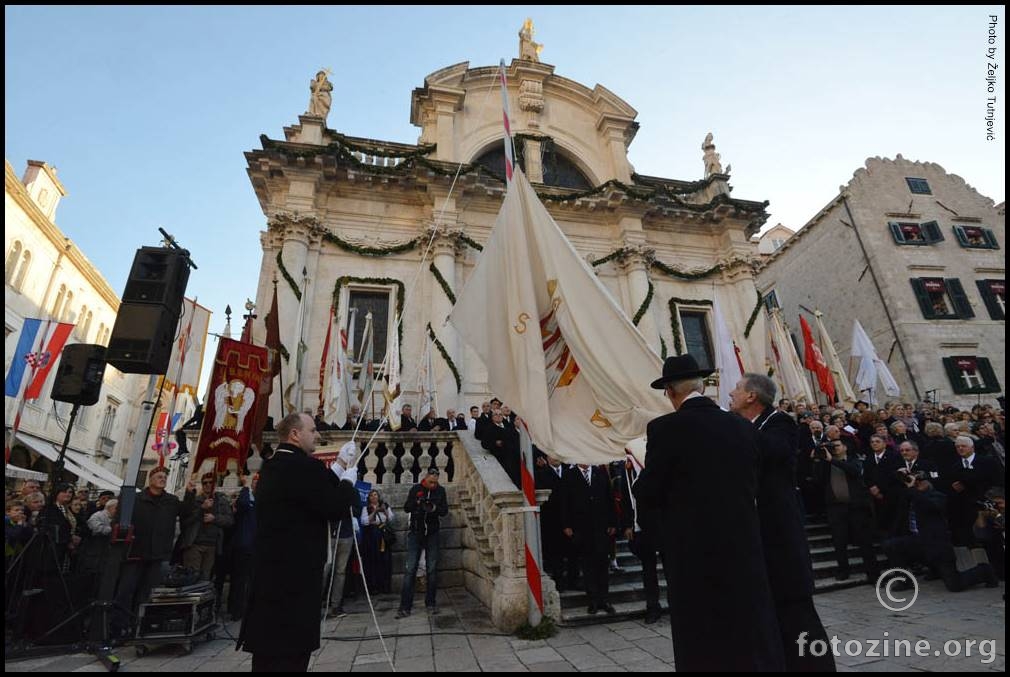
{"x": 848, "y": 502}
{"x": 426, "y": 503}
{"x": 923, "y": 538}
{"x": 989, "y": 528}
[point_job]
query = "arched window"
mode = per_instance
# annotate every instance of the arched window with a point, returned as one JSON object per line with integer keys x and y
{"x": 19, "y": 280}
{"x": 13, "y": 257}
{"x": 87, "y": 324}
{"x": 65, "y": 314}
{"x": 100, "y": 337}
{"x": 558, "y": 169}
{"x": 58, "y": 304}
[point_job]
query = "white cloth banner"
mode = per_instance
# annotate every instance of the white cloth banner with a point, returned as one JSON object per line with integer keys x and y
{"x": 188, "y": 352}
{"x": 557, "y": 347}
{"x": 725, "y": 356}
{"x": 871, "y": 367}
{"x": 843, "y": 389}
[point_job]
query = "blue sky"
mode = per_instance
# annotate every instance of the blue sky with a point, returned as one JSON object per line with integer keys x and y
{"x": 146, "y": 112}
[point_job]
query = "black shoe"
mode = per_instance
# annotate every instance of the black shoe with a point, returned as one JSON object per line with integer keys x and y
{"x": 989, "y": 575}
{"x": 402, "y": 613}
{"x": 652, "y": 615}
{"x": 609, "y": 608}
{"x": 432, "y": 610}
{"x": 592, "y": 610}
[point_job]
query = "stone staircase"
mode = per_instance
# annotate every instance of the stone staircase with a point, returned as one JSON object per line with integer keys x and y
{"x": 628, "y": 597}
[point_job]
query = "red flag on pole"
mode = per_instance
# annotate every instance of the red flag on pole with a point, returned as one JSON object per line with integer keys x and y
{"x": 814, "y": 361}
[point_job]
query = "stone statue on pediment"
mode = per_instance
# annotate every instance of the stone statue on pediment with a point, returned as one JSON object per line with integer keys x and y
{"x": 320, "y": 99}
{"x": 711, "y": 158}
{"x": 528, "y": 49}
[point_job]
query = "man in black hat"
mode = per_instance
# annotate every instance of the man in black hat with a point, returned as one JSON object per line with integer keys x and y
{"x": 701, "y": 475}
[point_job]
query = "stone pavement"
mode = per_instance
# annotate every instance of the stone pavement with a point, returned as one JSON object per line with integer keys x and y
{"x": 460, "y": 638}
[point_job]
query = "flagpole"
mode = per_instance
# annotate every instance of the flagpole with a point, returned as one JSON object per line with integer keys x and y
{"x": 299, "y": 356}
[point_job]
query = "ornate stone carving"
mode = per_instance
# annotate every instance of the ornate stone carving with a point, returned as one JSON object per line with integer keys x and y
{"x": 531, "y": 96}
{"x": 636, "y": 256}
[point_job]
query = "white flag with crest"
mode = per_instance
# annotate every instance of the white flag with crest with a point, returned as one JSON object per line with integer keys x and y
{"x": 557, "y": 346}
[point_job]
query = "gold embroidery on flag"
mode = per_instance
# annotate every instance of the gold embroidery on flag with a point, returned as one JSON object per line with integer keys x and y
{"x": 600, "y": 421}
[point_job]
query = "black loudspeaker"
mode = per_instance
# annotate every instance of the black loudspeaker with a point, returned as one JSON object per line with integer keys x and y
{"x": 79, "y": 375}
{"x": 142, "y": 338}
{"x": 158, "y": 276}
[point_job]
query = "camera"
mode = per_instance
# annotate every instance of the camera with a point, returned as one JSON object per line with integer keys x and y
{"x": 987, "y": 505}
{"x": 427, "y": 506}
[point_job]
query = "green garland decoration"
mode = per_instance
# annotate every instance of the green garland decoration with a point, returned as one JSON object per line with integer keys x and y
{"x": 442, "y": 282}
{"x": 448, "y": 360}
{"x": 470, "y": 242}
{"x": 400, "y": 297}
{"x": 342, "y": 149}
{"x": 287, "y": 276}
{"x": 372, "y": 251}
{"x": 675, "y": 322}
{"x": 684, "y": 275}
{"x": 645, "y": 305}
{"x": 662, "y": 346}
{"x": 662, "y": 267}
{"x": 754, "y": 313}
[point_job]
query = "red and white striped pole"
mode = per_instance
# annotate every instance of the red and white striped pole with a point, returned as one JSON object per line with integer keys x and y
{"x": 531, "y": 512}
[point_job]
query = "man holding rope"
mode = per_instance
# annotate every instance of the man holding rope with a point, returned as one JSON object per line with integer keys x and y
{"x": 296, "y": 499}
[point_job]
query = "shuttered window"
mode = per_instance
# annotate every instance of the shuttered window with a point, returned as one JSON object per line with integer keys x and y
{"x": 976, "y": 237}
{"x": 994, "y": 295}
{"x": 971, "y": 375}
{"x": 942, "y": 299}
{"x": 905, "y": 232}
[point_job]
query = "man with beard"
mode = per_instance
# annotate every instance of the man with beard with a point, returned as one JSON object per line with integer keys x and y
{"x": 701, "y": 474}
{"x": 787, "y": 555}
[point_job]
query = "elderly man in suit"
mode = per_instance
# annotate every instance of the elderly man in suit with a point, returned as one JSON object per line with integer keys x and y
{"x": 787, "y": 555}
{"x": 700, "y": 472}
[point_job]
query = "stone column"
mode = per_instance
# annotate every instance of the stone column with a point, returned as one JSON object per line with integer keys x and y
{"x": 614, "y": 133}
{"x": 636, "y": 263}
{"x": 444, "y": 251}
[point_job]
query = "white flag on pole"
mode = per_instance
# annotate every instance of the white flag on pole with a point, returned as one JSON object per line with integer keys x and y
{"x": 557, "y": 347}
{"x": 426, "y": 383}
{"x": 871, "y": 367}
{"x": 725, "y": 356}
{"x": 392, "y": 370}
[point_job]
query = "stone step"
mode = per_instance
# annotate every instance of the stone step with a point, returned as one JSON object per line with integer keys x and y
{"x": 579, "y": 615}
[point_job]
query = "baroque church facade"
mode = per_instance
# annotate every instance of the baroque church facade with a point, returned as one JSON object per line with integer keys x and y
{"x": 382, "y": 226}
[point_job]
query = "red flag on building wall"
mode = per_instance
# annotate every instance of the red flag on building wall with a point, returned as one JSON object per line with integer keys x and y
{"x": 815, "y": 362}
{"x": 239, "y": 370}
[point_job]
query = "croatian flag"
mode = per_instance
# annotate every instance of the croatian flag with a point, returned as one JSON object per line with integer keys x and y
{"x": 38, "y": 350}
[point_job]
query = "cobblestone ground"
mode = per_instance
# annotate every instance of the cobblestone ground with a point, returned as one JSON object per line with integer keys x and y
{"x": 460, "y": 638}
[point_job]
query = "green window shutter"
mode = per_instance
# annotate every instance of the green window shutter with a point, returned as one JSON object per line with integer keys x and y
{"x": 924, "y": 301}
{"x": 962, "y": 306}
{"x": 896, "y": 233}
{"x": 987, "y": 373}
{"x": 931, "y": 231}
{"x": 991, "y": 238}
{"x": 954, "y": 374}
{"x": 995, "y": 312}
{"x": 962, "y": 239}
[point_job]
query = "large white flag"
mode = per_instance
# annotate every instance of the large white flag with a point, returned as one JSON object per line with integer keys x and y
{"x": 391, "y": 396}
{"x": 557, "y": 347}
{"x": 426, "y": 383}
{"x": 843, "y": 390}
{"x": 871, "y": 367}
{"x": 186, "y": 363}
{"x": 338, "y": 380}
{"x": 366, "y": 377}
{"x": 789, "y": 367}
{"x": 725, "y": 356}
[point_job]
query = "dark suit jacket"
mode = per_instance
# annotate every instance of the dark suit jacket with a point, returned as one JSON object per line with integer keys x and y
{"x": 550, "y": 510}
{"x": 507, "y": 452}
{"x": 930, "y": 515}
{"x": 881, "y": 473}
{"x": 701, "y": 472}
{"x": 787, "y": 554}
{"x": 588, "y": 510}
{"x": 853, "y": 469}
{"x": 296, "y": 499}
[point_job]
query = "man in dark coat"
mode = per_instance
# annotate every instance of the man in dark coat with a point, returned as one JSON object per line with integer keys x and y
{"x": 548, "y": 475}
{"x": 787, "y": 554}
{"x": 850, "y": 513}
{"x": 296, "y": 499}
{"x": 588, "y": 521}
{"x": 503, "y": 442}
{"x": 701, "y": 473}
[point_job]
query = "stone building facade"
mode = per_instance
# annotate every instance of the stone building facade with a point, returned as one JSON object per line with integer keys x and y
{"x": 349, "y": 221}
{"x": 47, "y": 276}
{"x": 914, "y": 253}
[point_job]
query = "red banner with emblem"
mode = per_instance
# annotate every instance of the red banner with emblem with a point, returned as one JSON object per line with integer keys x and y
{"x": 239, "y": 369}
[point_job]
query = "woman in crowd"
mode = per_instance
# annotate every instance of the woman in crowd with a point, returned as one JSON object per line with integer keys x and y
{"x": 376, "y": 541}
